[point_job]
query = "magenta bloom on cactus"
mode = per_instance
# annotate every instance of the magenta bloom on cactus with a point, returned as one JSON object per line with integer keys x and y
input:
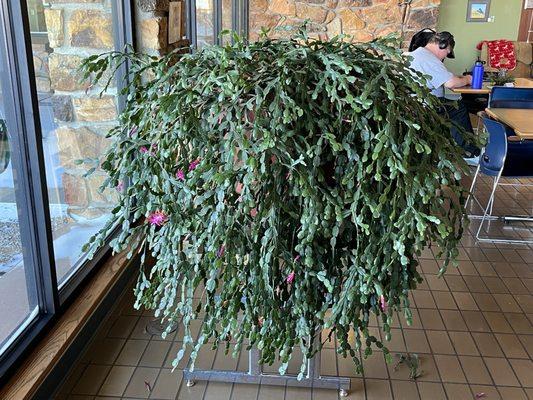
{"x": 143, "y": 149}
{"x": 297, "y": 258}
{"x": 383, "y": 304}
{"x": 157, "y": 218}
{"x": 194, "y": 164}
{"x": 290, "y": 277}
{"x": 180, "y": 175}
{"x": 120, "y": 186}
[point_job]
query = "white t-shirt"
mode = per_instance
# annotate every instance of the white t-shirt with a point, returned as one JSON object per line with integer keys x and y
{"x": 426, "y": 62}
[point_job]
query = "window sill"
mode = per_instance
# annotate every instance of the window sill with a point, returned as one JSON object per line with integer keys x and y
{"x": 41, "y": 361}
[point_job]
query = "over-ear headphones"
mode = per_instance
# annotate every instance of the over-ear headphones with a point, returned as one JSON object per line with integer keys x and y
{"x": 422, "y": 38}
{"x": 446, "y": 40}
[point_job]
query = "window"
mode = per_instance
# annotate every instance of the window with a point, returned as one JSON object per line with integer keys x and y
{"x": 48, "y": 119}
{"x": 208, "y": 18}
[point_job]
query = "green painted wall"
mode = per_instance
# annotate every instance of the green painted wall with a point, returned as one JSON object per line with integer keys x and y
{"x": 452, "y": 17}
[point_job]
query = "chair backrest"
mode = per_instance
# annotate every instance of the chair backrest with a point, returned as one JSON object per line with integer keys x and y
{"x": 492, "y": 159}
{"x": 511, "y": 97}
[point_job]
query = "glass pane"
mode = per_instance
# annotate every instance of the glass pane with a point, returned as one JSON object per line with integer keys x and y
{"x": 18, "y": 293}
{"x": 205, "y": 34}
{"x": 74, "y": 122}
{"x": 227, "y": 14}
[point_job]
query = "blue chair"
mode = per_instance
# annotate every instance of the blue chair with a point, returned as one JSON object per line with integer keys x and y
{"x": 511, "y": 97}
{"x": 502, "y": 158}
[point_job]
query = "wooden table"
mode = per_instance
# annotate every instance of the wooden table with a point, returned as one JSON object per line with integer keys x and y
{"x": 487, "y": 87}
{"x": 520, "y": 119}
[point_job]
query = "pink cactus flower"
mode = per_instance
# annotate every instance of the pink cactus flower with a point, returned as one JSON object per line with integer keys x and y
{"x": 290, "y": 277}
{"x": 194, "y": 164}
{"x": 120, "y": 186}
{"x": 260, "y": 321}
{"x": 143, "y": 149}
{"x": 180, "y": 175}
{"x": 220, "y": 251}
{"x": 157, "y": 218}
{"x": 383, "y": 304}
{"x": 253, "y": 212}
{"x": 297, "y": 258}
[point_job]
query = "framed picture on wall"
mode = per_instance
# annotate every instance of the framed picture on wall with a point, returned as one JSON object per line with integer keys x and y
{"x": 478, "y": 11}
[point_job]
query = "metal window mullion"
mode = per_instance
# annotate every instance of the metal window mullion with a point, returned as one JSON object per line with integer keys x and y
{"x": 244, "y": 18}
{"x": 30, "y": 139}
{"x": 22, "y": 117}
{"x": 190, "y": 6}
{"x": 217, "y": 21}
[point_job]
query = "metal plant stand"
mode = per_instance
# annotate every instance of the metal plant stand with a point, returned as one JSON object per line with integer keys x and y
{"x": 255, "y": 375}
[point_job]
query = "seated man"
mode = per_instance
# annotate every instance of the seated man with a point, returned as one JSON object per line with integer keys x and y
{"x": 428, "y": 59}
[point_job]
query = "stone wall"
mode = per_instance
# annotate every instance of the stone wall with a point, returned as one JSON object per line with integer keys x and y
{"x": 77, "y": 29}
{"x": 364, "y": 20}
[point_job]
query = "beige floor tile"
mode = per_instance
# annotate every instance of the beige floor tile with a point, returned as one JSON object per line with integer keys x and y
{"x": 122, "y": 327}
{"x": 132, "y": 352}
{"x": 457, "y": 391}
{"x": 527, "y": 342}
{"x": 465, "y": 301}
{"x": 167, "y": 385}
{"x": 507, "y": 303}
{"x": 485, "y": 392}
{"x": 155, "y": 354}
{"x": 328, "y": 362}
{"x": 346, "y": 367}
{"x": 218, "y": 391}
{"x": 449, "y": 369}
{"x": 512, "y": 393}
{"x": 436, "y": 283}
{"x": 423, "y": 299}
{"x": 244, "y": 392}
{"x": 519, "y": 322}
{"x": 475, "y": 321}
{"x": 427, "y": 368}
{"x": 93, "y": 376}
{"x": 416, "y": 341}
{"x": 271, "y": 393}
{"x": 501, "y": 371}
{"x": 72, "y": 378}
{"x": 405, "y": 390}
{"x": 173, "y": 352}
{"x": 487, "y": 344}
{"x": 525, "y": 301}
{"x": 431, "y": 391}
{"x": 523, "y": 369}
{"x": 463, "y": 343}
{"x": 377, "y": 389}
{"x": 497, "y": 322}
{"x": 439, "y": 342}
{"x": 142, "y": 382}
{"x": 306, "y": 393}
{"x": 105, "y": 351}
{"x": 192, "y": 393}
{"x": 375, "y": 366}
{"x": 431, "y": 320}
{"x": 486, "y": 302}
{"x": 511, "y": 345}
{"x": 444, "y": 301}
{"x": 117, "y": 380}
{"x": 453, "y": 320}
{"x": 475, "y": 370}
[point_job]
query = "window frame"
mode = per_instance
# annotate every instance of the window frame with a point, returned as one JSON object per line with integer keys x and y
{"x": 239, "y": 20}
{"x": 23, "y": 118}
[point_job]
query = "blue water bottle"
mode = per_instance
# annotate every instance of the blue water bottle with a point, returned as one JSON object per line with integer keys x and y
{"x": 477, "y": 74}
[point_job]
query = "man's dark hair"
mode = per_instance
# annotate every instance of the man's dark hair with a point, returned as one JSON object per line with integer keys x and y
{"x": 421, "y": 38}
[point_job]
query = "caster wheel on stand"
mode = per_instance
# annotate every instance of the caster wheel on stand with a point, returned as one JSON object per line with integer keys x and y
{"x": 343, "y": 393}
{"x": 190, "y": 383}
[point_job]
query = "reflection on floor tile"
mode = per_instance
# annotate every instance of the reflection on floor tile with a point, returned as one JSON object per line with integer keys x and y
{"x": 472, "y": 331}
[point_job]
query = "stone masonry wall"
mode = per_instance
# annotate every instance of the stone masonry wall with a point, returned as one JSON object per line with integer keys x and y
{"x": 77, "y": 29}
{"x": 362, "y": 19}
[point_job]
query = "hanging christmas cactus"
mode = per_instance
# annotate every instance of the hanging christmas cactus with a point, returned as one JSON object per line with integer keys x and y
{"x": 287, "y": 184}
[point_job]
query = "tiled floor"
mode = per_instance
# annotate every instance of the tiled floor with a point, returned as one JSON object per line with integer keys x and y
{"x": 472, "y": 329}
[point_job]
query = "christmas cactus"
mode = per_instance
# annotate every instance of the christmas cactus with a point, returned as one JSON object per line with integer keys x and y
{"x": 289, "y": 184}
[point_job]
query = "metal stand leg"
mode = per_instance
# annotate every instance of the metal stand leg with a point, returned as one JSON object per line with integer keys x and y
{"x": 255, "y": 375}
